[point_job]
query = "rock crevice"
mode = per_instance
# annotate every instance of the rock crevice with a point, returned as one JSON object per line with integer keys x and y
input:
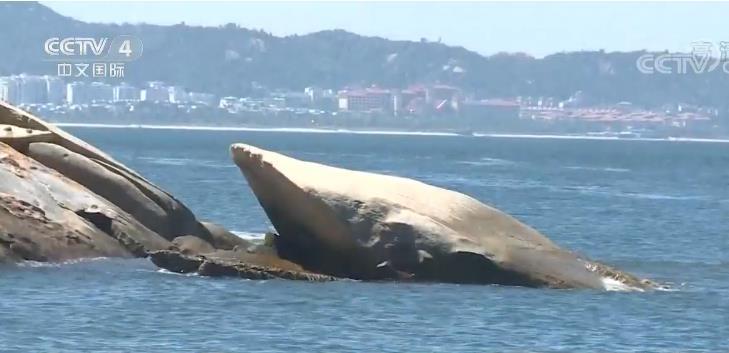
{"x": 61, "y": 199}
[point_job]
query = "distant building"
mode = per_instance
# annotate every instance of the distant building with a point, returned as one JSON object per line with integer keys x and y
{"x": 292, "y": 99}
{"x": 208, "y": 99}
{"x": 55, "y": 89}
{"x": 437, "y": 93}
{"x": 321, "y": 98}
{"x": 177, "y": 94}
{"x": 33, "y": 90}
{"x": 10, "y": 89}
{"x": 442, "y": 98}
{"x": 155, "y": 91}
{"x": 76, "y": 93}
{"x": 490, "y": 112}
{"x": 313, "y": 94}
{"x": 126, "y": 93}
{"x": 88, "y": 93}
{"x": 578, "y": 100}
{"x": 370, "y": 99}
{"x": 410, "y": 101}
{"x": 228, "y": 102}
{"x": 100, "y": 92}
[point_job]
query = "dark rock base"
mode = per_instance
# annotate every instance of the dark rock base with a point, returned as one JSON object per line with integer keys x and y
{"x": 178, "y": 262}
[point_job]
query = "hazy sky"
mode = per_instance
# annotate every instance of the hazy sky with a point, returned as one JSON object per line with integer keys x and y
{"x": 535, "y": 28}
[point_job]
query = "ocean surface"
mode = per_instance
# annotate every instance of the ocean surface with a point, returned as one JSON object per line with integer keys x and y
{"x": 657, "y": 208}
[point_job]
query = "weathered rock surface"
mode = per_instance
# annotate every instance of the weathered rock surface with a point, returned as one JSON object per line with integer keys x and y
{"x": 26, "y": 129}
{"x": 45, "y": 216}
{"x": 190, "y": 244}
{"x": 368, "y": 226}
{"x": 230, "y": 265}
{"x": 111, "y": 186}
{"x": 61, "y": 199}
{"x": 221, "y": 238}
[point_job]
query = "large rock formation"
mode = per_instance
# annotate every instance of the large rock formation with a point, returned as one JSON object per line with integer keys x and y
{"x": 61, "y": 198}
{"x": 368, "y": 226}
{"x": 45, "y": 216}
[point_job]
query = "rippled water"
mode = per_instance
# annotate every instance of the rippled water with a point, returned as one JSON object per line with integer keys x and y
{"x": 659, "y": 209}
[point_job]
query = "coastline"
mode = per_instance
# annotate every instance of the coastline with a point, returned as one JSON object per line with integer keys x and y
{"x": 385, "y": 132}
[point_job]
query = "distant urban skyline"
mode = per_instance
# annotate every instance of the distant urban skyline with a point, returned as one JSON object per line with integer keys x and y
{"x": 537, "y": 29}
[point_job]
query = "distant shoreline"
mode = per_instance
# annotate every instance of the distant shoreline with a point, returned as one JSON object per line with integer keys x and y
{"x": 383, "y": 132}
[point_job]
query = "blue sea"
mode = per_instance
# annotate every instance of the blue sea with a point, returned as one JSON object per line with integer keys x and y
{"x": 659, "y": 209}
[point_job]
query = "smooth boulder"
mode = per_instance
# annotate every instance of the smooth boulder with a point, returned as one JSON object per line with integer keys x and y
{"x": 28, "y": 129}
{"x": 370, "y": 226}
{"x": 103, "y": 182}
{"x": 45, "y": 216}
{"x": 63, "y": 199}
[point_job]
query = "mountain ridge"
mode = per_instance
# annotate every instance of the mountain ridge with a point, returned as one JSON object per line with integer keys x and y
{"x": 232, "y": 60}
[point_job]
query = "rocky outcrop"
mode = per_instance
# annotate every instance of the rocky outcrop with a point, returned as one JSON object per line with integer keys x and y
{"x": 369, "y": 226}
{"x": 103, "y": 182}
{"x": 221, "y": 238}
{"x": 61, "y": 199}
{"x": 62, "y": 150}
{"x": 225, "y": 265}
{"x": 45, "y": 216}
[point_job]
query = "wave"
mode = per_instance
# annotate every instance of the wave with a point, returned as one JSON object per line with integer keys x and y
{"x": 260, "y": 129}
{"x": 489, "y": 162}
{"x": 600, "y": 169}
{"x": 185, "y": 162}
{"x": 603, "y": 191}
{"x": 38, "y": 264}
{"x": 605, "y": 138}
{"x": 614, "y": 285}
{"x": 249, "y": 235}
{"x": 166, "y": 272}
{"x": 381, "y": 132}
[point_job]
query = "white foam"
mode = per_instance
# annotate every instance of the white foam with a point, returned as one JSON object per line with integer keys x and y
{"x": 600, "y": 169}
{"x": 607, "y": 138}
{"x": 166, "y": 272}
{"x": 487, "y": 162}
{"x": 261, "y": 129}
{"x": 614, "y": 285}
{"x": 38, "y": 264}
{"x": 249, "y": 235}
{"x": 383, "y": 132}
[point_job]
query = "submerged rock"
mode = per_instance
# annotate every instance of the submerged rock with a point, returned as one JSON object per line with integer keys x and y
{"x": 225, "y": 265}
{"x": 369, "y": 226}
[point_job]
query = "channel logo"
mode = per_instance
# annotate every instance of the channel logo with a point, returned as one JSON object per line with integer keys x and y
{"x": 119, "y": 49}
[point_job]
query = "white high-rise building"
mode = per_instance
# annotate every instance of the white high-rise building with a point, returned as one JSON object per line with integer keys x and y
{"x": 76, "y": 93}
{"x": 126, "y": 92}
{"x": 100, "y": 92}
{"x": 55, "y": 89}
{"x": 10, "y": 89}
{"x": 33, "y": 90}
{"x": 202, "y": 98}
{"x": 178, "y": 95}
{"x": 156, "y": 91}
{"x": 87, "y": 93}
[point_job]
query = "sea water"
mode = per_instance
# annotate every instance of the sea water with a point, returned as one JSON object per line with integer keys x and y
{"x": 659, "y": 209}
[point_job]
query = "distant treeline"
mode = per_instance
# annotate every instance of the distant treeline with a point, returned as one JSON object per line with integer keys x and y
{"x": 230, "y": 60}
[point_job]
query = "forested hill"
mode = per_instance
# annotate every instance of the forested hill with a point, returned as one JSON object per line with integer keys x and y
{"x": 227, "y": 59}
